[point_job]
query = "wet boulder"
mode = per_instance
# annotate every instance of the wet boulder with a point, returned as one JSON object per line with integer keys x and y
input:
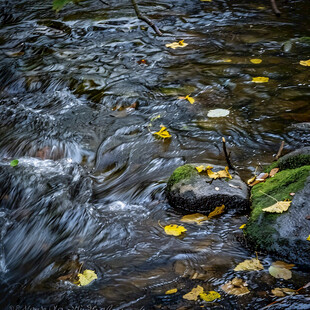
{"x": 197, "y": 192}
{"x": 283, "y": 234}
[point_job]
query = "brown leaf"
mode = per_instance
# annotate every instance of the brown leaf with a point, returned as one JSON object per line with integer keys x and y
{"x": 282, "y": 291}
{"x": 262, "y": 176}
{"x": 249, "y": 265}
{"x": 194, "y": 218}
{"x": 273, "y": 172}
{"x": 235, "y": 287}
{"x": 194, "y": 293}
{"x": 217, "y": 211}
{"x": 280, "y": 264}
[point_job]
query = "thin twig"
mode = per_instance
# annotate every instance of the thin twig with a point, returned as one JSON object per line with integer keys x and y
{"x": 269, "y": 196}
{"x": 280, "y": 151}
{"x": 230, "y": 166}
{"x": 104, "y": 2}
{"x": 144, "y": 18}
{"x": 275, "y": 8}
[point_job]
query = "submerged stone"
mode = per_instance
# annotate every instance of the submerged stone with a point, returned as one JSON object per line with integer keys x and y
{"x": 197, "y": 192}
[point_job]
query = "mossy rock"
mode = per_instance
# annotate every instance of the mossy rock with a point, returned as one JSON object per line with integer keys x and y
{"x": 197, "y": 192}
{"x": 283, "y": 234}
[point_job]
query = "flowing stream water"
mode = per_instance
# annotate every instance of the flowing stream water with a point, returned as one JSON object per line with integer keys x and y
{"x": 81, "y": 93}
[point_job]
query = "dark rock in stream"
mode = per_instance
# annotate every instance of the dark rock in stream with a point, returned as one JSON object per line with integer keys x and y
{"x": 197, "y": 192}
{"x": 283, "y": 234}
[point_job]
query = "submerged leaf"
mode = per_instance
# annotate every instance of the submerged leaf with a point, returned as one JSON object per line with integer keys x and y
{"x": 210, "y": 296}
{"x": 282, "y": 291}
{"x": 194, "y": 218}
{"x": 14, "y": 162}
{"x": 235, "y": 287}
{"x": 59, "y": 4}
{"x": 86, "y": 277}
{"x": 281, "y": 264}
{"x": 308, "y": 238}
{"x": 175, "y": 45}
{"x": 278, "y": 207}
{"x": 172, "y": 291}
{"x": 194, "y": 293}
{"x": 216, "y": 211}
{"x": 305, "y": 63}
{"x": 255, "y": 61}
{"x": 174, "y": 230}
{"x": 218, "y": 113}
{"x": 280, "y": 273}
{"x": 162, "y": 133}
{"x": 190, "y": 99}
{"x": 249, "y": 265}
{"x": 260, "y": 79}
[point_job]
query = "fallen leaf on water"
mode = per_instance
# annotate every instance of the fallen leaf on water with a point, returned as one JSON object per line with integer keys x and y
{"x": 162, "y": 133}
{"x": 194, "y": 218}
{"x": 282, "y": 291}
{"x": 210, "y": 296}
{"x": 235, "y": 287}
{"x": 218, "y": 113}
{"x": 308, "y": 238}
{"x": 155, "y": 118}
{"x": 227, "y": 60}
{"x": 242, "y": 226}
{"x": 14, "y": 162}
{"x": 260, "y": 79}
{"x": 175, "y": 45}
{"x": 172, "y": 291}
{"x": 249, "y": 265}
{"x": 250, "y": 181}
{"x": 86, "y": 277}
{"x": 190, "y": 99}
{"x": 206, "y": 0}
{"x": 194, "y": 293}
{"x": 278, "y": 207}
{"x": 255, "y": 61}
{"x": 174, "y": 230}
{"x": 280, "y": 273}
{"x": 273, "y": 172}
{"x": 305, "y": 63}
{"x": 281, "y": 264}
{"x": 216, "y": 211}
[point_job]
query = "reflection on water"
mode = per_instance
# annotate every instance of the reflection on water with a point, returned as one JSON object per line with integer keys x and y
{"x": 78, "y": 108}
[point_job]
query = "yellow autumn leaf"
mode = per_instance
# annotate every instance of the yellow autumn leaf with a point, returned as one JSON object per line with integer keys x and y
{"x": 190, "y": 99}
{"x": 206, "y": 0}
{"x": 175, "y": 45}
{"x": 172, "y": 291}
{"x": 162, "y": 133}
{"x": 250, "y": 181}
{"x": 210, "y": 296}
{"x": 194, "y": 293}
{"x": 280, "y": 273}
{"x": 220, "y": 174}
{"x": 278, "y": 207}
{"x": 203, "y": 168}
{"x": 235, "y": 287}
{"x": 194, "y": 218}
{"x": 249, "y": 265}
{"x": 305, "y": 63}
{"x": 174, "y": 230}
{"x": 281, "y": 264}
{"x": 86, "y": 277}
{"x": 308, "y": 238}
{"x": 255, "y": 61}
{"x": 282, "y": 291}
{"x": 242, "y": 226}
{"x": 216, "y": 211}
{"x": 260, "y": 79}
{"x": 227, "y": 60}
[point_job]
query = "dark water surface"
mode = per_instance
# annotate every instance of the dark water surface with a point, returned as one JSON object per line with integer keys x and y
{"x": 78, "y": 108}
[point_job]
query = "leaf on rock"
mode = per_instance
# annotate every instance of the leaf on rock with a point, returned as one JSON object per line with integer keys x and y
{"x": 175, "y": 45}
{"x": 282, "y": 291}
{"x": 14, "y": 163}
{"x": 194, "y": 218}
{"x": 305, "y": 63}
{"x": 273, "y": 172}
{"x": 250, "y": 181}
{"x": 280, "y": 273}
{"x": 218, "y": 113}
{"x": 235, "y": 287}
{"x": 249, "y": 265}
{"x": 86, "y": 277}
{"x": 260, "y": 79}
{"x": 162, "y": 133}
{"x": 210, "y": 296}
{"x": 216, "y": 211}
{"x": 174, "y": 230}
{"x": 219, "y": 174}
{"x": 281, "y": 264}
{"x": 262, "y": 177}
{"x": 172, "y": 291}
{"x": 194, "y": 293}
{"x": 255, "y": 61}
{"x": 203, "y": 168}
{"x": 242, "y": 226}
{"x": 190, "y": 99}
{"x": 278, "y": 207}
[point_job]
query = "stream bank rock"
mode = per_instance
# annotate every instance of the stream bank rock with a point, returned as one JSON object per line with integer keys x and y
{"x": 283, "y": 234}
{"x": 197, "y": 192}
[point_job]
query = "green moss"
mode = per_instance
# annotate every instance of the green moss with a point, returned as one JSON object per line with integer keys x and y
{"x": 181, "y": 173}
{"x": 292, "y": 162}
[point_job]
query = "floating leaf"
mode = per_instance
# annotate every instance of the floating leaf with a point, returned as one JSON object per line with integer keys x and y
{"x": 206, "y": 0}
{"x": 281, "y": 264}
{"x": 305, "y": 63}
{"x": 255, "y": 61}
{"x": 278, "y": 207}
{"x": 174, "y": 230}
{"x": 308, "y": 238}
{"x": 249, "y": 265}
{"x": 280, "y": 273}
{"x": 260, "y": 79}
{"x": 194, "y": 218}
{"x": 194, "y": 293}
{"x": 227, "y": 60}
{"x": 216, "y": 211}
{"x": 218, "y": 113}
{"x": 190, "y": 99}
{"x": 86, "y": 277}
{"x": 172, "y": 291}
{"x": 162, "y": 133}
{"x": 210, "y": 296}
{"x": 235, "y": 287}
{"x": 282, "y": 291}
{"x": 242, "y": 226}
{"x": 14, "y": 162}
{"x": 273, "y": 172}
{"x": 175, "y": 45}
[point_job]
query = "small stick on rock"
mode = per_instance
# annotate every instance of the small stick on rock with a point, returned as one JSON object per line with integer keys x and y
{"x": 230, "y": 166}
{"x": 144, "y": 18}
{"x": 280, "y": 151}
{"x": 275, "y": 8}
